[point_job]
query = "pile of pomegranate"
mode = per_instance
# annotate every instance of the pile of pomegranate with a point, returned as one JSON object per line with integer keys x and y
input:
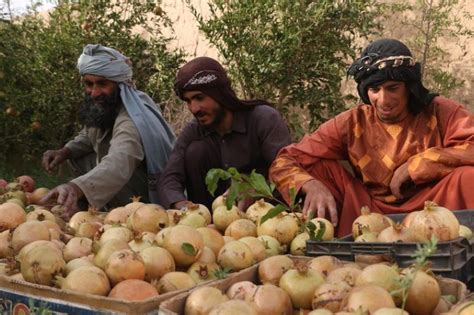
{"x": 323, "y": 285}
{"x": 141, "y": 250}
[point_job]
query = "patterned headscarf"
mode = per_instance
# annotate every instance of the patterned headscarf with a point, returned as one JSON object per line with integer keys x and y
{"x": 390, "y": 60}
{"x": 155, "y": 133}
{"x": 208, "y": 76}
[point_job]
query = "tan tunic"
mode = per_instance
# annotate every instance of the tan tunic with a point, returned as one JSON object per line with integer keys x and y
{"x": 118, "y": 154}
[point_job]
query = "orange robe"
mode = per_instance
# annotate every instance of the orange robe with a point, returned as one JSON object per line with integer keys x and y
{"x": 434, "y": 143}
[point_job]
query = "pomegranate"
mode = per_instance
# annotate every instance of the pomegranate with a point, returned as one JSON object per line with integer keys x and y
{"x": 407, "y": 220}
{"x": 28, "y": 232}
{"x": 148, "y": 218}
{"x": 236, "y": 256}
{"x": 241, "y": 228}
{"x": 133, "y": 290}
{"x": 219, "y": 201}
{"x": 272, "y": 245}
{"x": 116, "y": 233}
{"x": 395, "y": 233}
{"x": 272, "y": 268}
{"x": 88, "y": 229}
{"x": 124, "y": 264}
{"x": 77, "y": 263}
{"x": 41, "y": 264}
{"x": 174, "y": 216}
{"x": 434, "y": 220}
{"x": 118, "y": 215}
{"x": 160, "y": 236}
{"x": 282, "y": 227}
{"x": 158, "y": 261}
{"x": 222, "y": 217}
{"x": 390, "y": 311}
{"x": 138, "y": 244}
{"x": 328, "y": 234}
{"x": 40, "y": 215}
{"x": 465, "y": 232}
{"x": 90, "y": 215}
{"x": 3, "y": 183}
{"x": 184, "y": 243}
{"x": 324, "y": 264}
{"x": 257, "y": 210}
{"x": 200, "y": 209}
{"x": 368, "y": 298}
{"x": 6, "y": 248}
{"x": 35, "y": 244}
{"x": 207, "y": 256}
{"x": 280, "y": 300}
{"x": 87, "y": 280}
{"x": 347, "y": 274}
{"x": 203, "y": 272}
{"x": 382, "y": 275}
{"x": 298, "y": 244}
{"x": 135, "y": 204}
{"x": 372, "y": 221}
{"x": 192, "y": 219}
{"x": 38, "y": 194}
{"x": 330, "y": 296}
{"x": 201, "y": 300}
{"x": 233, "y": 307}
{"x": 464, "y": 308}
{"x": 241, "y": 290}
{"x": 424, "y": 293}
{"x": 256, "y": 246}
{"x": 11, "y": 216}
{"x": 106, "y": 249}
{"x": 27, "y": 183}
{"x": 320, "y": 311}
{"x": 175, "y": 280}
{"x": 228, "y": 239}
{"x": 211, "y": 238}
{"x": 77, "y": 247}
{"x": 300, "y": 284}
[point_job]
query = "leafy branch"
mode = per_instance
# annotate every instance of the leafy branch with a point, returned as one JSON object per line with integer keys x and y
{"x": 255, "y": 186}
{"x": 421, "y": 256}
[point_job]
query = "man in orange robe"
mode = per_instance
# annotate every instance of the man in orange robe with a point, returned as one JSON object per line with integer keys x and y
{"x": 404, "y": 144}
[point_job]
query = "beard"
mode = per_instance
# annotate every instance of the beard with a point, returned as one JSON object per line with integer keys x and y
{"x": 219, "y": 114}
{"x": 100, "y": 113}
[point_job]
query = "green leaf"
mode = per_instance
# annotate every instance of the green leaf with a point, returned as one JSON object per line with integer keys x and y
{"x": 273, "y": 213}
{"x": 188, "y": 249}
{"x": 259, "y": 183}
{"x": 292, "y": 194}
{"x": 311, "y": 227}
{"x": 234, "y": 173}
{"x": 212, "y": 178}
{"x": 320, "y": 231}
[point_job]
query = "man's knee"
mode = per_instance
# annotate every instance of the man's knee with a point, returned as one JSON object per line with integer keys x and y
{"x": 466, "y": 175}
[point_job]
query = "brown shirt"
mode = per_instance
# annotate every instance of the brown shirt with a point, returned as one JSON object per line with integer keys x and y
{"x": 253, "y": 142}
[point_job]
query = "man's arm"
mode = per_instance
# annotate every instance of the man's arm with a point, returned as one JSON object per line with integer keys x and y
{"x": 457, "y": 129}
{"x": 115, "y": 169}
{"x": 79, "y": 146}
{"x": 292, "y": 169}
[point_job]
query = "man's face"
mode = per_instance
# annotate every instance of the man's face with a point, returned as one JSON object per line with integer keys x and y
{"x": 207, "y": 111}
{"x": 101, "y": 102}
{"x": 390, "y": 100}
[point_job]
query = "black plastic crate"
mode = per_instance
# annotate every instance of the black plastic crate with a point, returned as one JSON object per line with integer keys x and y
{"x": 453, "y": 259}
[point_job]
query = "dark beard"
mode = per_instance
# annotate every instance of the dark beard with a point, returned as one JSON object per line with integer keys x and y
{"x": 100, "y": 115}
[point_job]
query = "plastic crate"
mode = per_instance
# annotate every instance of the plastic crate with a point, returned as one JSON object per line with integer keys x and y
{"x": 453, "y": 259}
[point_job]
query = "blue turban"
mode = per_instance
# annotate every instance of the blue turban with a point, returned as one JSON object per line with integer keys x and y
{"x": 155, "y": 133}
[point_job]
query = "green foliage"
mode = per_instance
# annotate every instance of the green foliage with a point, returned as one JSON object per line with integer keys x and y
{"x": 429, "y": 26}
{"x": 292, "y": 53}
{"x": 39, "y": 82}
{"x": 188, "y": 249}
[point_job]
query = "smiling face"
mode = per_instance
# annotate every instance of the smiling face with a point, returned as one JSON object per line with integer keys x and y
{"x": 390, "y": 100}
{"x": 206, "y": 110}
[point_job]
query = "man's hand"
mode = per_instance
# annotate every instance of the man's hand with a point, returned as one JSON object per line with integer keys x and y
{"x": 66, "y": 195}
{"x": 180, "y": 204}
{"x": 400, "y": 177}
{"x": 319, "y": 201}
{"x": 53, "y": 158}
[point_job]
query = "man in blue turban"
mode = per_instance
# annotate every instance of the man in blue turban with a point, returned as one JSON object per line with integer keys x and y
{"x": 125, "y": 142}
